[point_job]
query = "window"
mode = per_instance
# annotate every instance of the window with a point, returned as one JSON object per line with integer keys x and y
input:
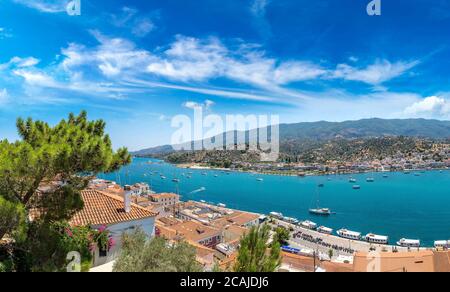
{"x": 103, "y": 253}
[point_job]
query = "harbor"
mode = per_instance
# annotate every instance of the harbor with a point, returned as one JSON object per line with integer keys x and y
{"x": 398, "y": 206}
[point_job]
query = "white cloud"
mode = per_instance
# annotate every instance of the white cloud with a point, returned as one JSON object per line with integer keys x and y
{"x": 36, "y": 78}
{"x": 112, "y": 56}
{"x": 140, "y": 26}
{"x": 206, "y": 105}
{"x": 375, "y": 74}
{"x": 432, "y": 106}
{"x": 18, "y": 62}
{"x": 47, "y": 6}
{"x": 5, "y": 33}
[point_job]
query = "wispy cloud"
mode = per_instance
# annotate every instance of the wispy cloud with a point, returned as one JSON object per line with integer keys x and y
{"x": 139, "y": 25}
{"x": 206, "y": 105}
{"x": 5, "y": 33}
{"x": 46, "y": 6}
{"x": 375, "y": 74}
{"x": 117, "y": 67}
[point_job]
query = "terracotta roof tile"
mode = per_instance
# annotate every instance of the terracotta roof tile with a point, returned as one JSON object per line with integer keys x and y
{"x": 105, "y": 209}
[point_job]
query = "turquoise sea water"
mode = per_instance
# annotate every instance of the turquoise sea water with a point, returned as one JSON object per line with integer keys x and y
{"x": 416, "y": 207}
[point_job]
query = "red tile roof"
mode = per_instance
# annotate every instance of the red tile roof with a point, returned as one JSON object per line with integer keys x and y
{"x": 105, "y": 209}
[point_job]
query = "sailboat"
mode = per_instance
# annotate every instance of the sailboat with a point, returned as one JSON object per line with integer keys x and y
{"x": 320, "y": 211}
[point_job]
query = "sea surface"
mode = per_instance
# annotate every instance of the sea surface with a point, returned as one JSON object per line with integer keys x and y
{"x": 414, "y": 206}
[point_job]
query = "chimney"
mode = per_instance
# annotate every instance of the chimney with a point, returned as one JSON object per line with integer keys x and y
{"x": 127, "y": 202}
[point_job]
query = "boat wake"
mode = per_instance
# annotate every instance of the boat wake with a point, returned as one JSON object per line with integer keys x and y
{"x": 202, "y": 189}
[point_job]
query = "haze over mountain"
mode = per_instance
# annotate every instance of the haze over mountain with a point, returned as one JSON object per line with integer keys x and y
{"x": 299, "y": 133}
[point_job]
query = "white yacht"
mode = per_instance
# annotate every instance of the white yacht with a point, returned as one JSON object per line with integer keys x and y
{"x": 221, "y": 205}
{"x": 309, "y": 225}
{"x": 344, "y": 233}
{"x": 356, "y": 187}
{"x": 408, "y": 242}
{"x": 276, "y": 215}
{"x": 352, "y": 180}
{"x": 442, "y": 244}
{"x": 378, "y": 239}
{"x": 291, "y": 220}
{"x": 325, "y": 230}
{"x": 321, "y": 212}
{"x": 370, "y": 179}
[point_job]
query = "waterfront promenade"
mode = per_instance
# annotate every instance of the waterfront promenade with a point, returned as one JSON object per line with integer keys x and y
{"x": 323, "y": 243}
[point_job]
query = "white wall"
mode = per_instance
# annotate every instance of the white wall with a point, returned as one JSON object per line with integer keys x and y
{"x": 116, "y": 231}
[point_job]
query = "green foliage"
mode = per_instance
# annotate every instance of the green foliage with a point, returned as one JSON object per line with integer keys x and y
{"x": 255, "y": 254}
{"x": 52, "y": 242}
{"x": 43, "y": 174}
{"x": 72, "y": 147}
{"x": 156, "y": 255}
{"x": 12, "y": 219}
{"x": 282, "y": 235}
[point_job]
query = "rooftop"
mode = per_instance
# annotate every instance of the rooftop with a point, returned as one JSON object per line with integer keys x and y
{"x": 105, "y": 209}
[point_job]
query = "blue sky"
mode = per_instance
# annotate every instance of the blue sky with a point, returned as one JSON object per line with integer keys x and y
{"x": 136, "y": 64}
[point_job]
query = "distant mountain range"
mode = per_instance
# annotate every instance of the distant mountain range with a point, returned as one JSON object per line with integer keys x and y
{"x": 297, "y": 137}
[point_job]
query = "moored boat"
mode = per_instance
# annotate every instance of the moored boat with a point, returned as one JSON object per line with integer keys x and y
{"x": 356, "y": 187}
{"x": 221, "y": 205}
{"x": 352, "y": 180}
{"x": 444, "y": 244}
{"x": 378, "y": 239}
{"x": 276, "y": 215}
{"x": 320, "y": 212}
{"x": 309, "y": 225}
{"x": 291, "y": 220}
{"x": 370, "y": 179}
{"x": 325, "y": 230}
{"x": 408, "y": 242}
{"x": 347, "y": 234}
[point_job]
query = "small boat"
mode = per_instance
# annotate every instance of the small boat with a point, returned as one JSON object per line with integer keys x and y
{"x": 407, "y": 172}
{"x": 176, "y": 180}
{"x": 216, "y": 175}
{"x": 202, "y": 201}
{"x": 417, "y": 174}
{"x": 320, "y": 212}
{"x": 276, "y": 215}
{"x": 309, "y": 225}
{"x": 317, "y": 210}
{"x": 352, "y": 180}
{"x": 347, "y": 234}
{"x": 356, "y": 187}
{"x": 221, "y": 205}
{"x": 291, "y": 220}
{"x": 409, "y": 243}
{"x": 163, "y": 177}
{"x": 204, "y": 173}
{"x": 378, "y": 239}
{"x": 385, "y": 176}
{"x": 444, "y": 244}
{"x": 370, "y": 179}
{"x": 260, "y": 179}
{"x": 325, "y": 230}
{"x": 321, "y": 185}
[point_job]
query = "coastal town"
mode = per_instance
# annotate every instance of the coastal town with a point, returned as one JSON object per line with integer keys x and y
{"x": 215, "y": 232}
{"x": 424, "y": 155}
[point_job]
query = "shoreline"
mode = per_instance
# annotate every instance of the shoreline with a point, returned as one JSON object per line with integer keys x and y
{"x": 332, "y": 239}
{"x": 195, "y": 166}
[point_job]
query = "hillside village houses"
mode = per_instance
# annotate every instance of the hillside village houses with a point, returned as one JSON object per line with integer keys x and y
{"x": 118, "y": 214}
{"x": 214, "y": 232}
